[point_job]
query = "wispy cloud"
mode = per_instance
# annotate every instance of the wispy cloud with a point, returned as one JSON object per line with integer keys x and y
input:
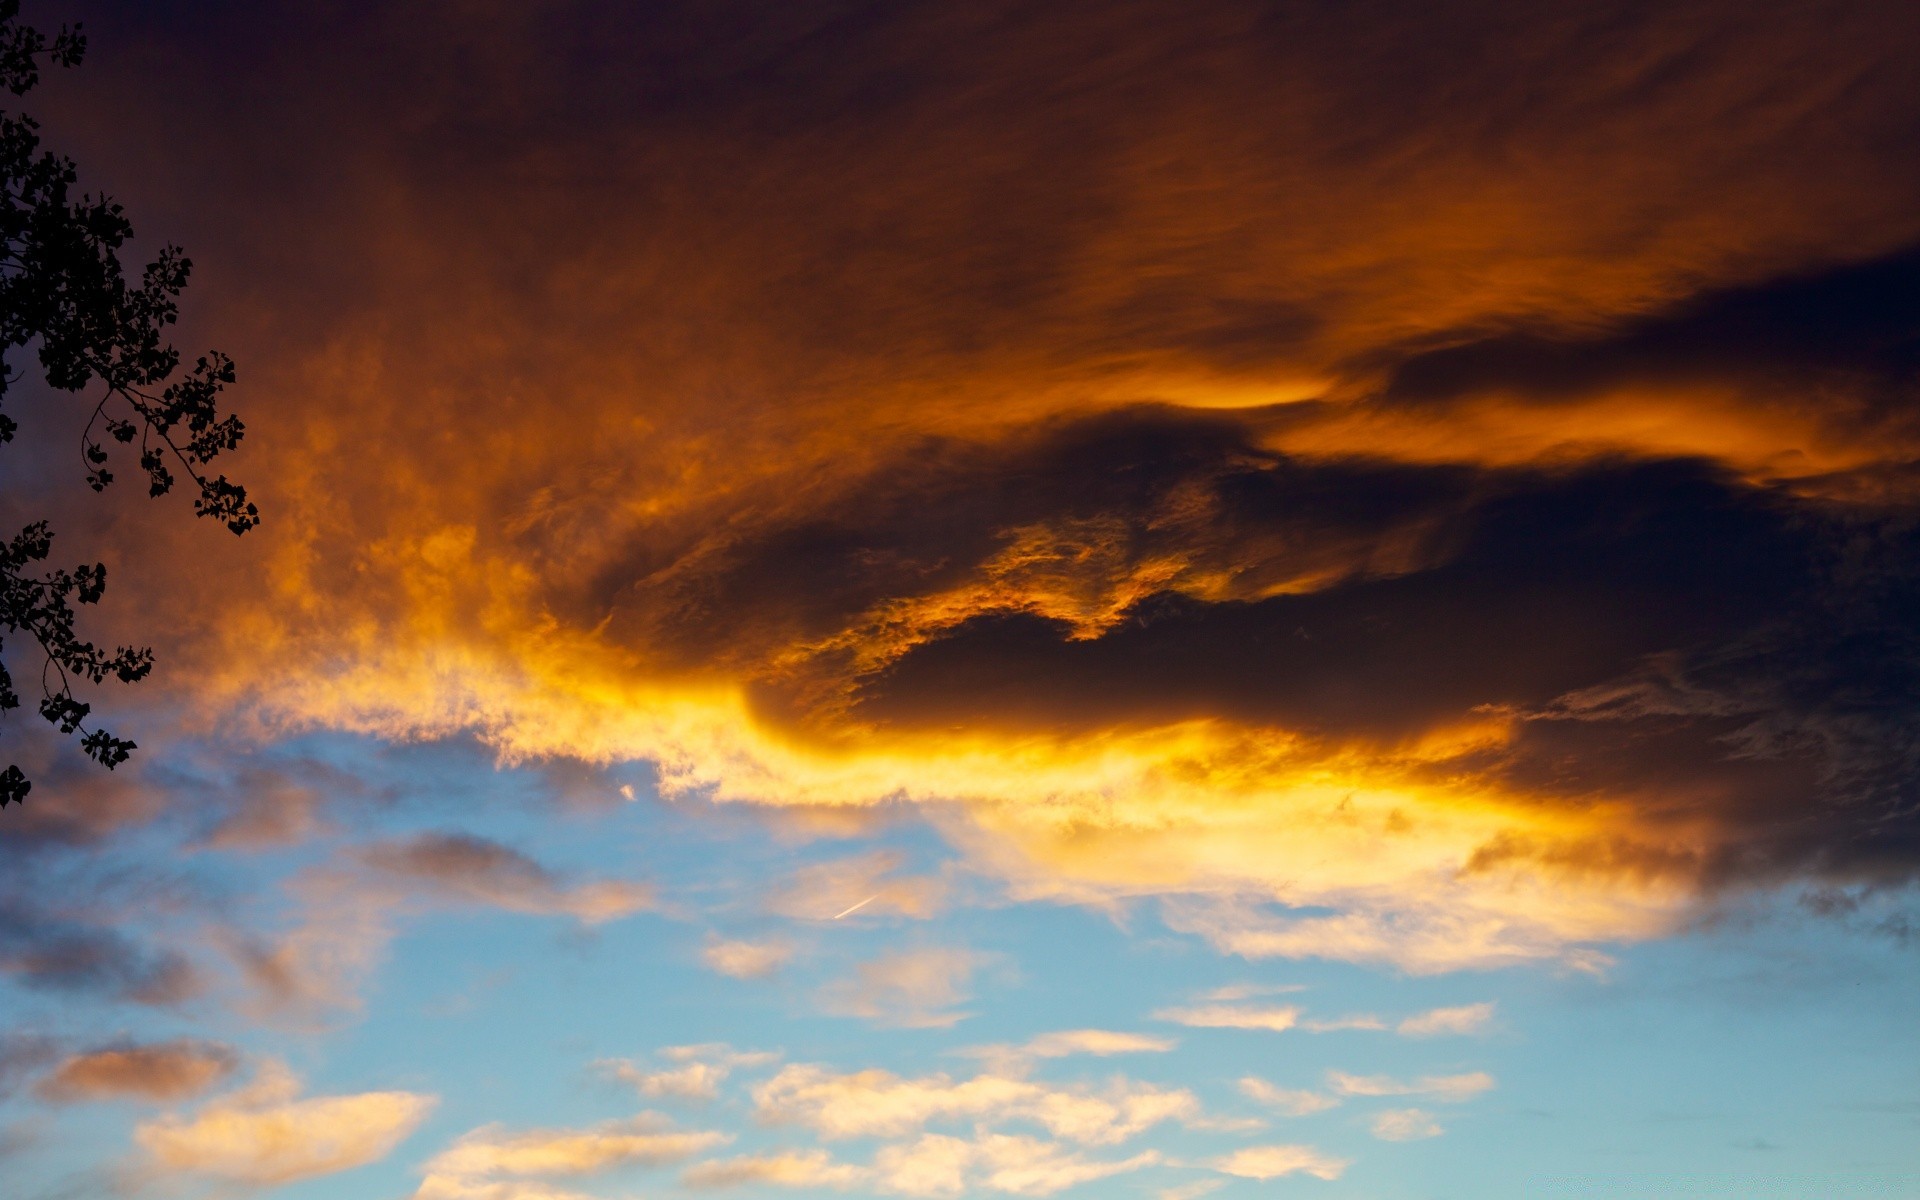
{"x": 1274, "y": 1162}
{"x": 1229, "y": 1016}
{"x": 941, "y": 1166}
{"x": 1450, "y": 1088}
{"x": 494, "y": 1161}
{"x": 742, "y": 959}
{"x": 868, "y": 884}
{"x": 1292, "y": 1102}
{"x": 808, "y": 1168}
{"x": 1405, "y": 1125}
{"x": 913, "y": 988}
{"x": 462, "y": 868}
{"x": 1465, "y": 1018}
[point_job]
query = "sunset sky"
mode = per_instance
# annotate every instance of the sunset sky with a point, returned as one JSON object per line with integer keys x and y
{"x": 932, "y": 599}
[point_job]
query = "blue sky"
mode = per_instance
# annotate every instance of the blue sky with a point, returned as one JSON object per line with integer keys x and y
{"x": 1768, "y": 1052}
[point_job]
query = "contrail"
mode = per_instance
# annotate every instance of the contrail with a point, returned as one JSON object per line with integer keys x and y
{"x": 857, "y": 907}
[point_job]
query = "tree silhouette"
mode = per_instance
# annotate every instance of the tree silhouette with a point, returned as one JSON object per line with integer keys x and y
{"x": 62, "y": 285}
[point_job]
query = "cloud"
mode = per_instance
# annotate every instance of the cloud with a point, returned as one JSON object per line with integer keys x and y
{"x": 1125, "y": 470}
{"x": 346, "y": 912}
{"x": 703, "y": 1069}
{"x": 493, "y": 1151}
{"x": 264, "y": 1134}
{"x": 1339, "y": 1024}
{"x": 740, "y": 959}
{"x": 1274, "y": 1162}
{"x": 161, "y": 1072}
{"x": 868, "y": 884}
{"x": 473, "y": 870}
{"x": 811, "y": 1168}
{"x": 53, "y": 952}
{"x": 1290, "y": 1102}
{"x": 940, "y": 1166}
{"x": 1465, "y": 1018}
{"x": 912, "y": 988}
{"x": 1099, "y": 1043}
{"x": 1451, "y": 1088}
{"x": 1404, "y": 1125}
{"x": 878, "y": 1103}
{"x": 22, "y": 1054}
{"x": 1223, "y": 1016}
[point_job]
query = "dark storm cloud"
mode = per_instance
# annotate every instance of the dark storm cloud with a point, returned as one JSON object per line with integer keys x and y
{"x": 849, "y": 357}
{"x": 45, "y": 951}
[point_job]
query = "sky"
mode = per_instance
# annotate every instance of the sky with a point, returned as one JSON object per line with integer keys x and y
{"x": 1092, "y": 599}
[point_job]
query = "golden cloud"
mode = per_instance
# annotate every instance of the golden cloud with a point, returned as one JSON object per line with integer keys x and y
{"x": 1185, "y": 464}
{"x": 265, "y": 1135}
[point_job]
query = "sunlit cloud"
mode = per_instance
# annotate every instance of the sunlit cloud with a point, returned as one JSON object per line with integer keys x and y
{"x": 1451, "y": 1088}
{"x": 158, "y": 1072}
{"x": 940, "y": 1166}
{"x": 265, "y": 1134}
{"x": 494, "y": 1160}
{"x": 912, "y": 988}
{"x": 811, "y": 1168}
{"x": 701, "y": 1071}
{"x": 1275, "y": 1162}
{"x": 1291, "y": 1102}
{"x": 869, "y": 884}
{"x": 1465, "y": 1018}
{"x": 877, "y": 1103}
{"x": 1224, "y": 1016}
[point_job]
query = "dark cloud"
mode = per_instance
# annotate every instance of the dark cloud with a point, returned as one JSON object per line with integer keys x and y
{"x": 47, "y": 952}
{"x": 159, "y": 1071}
{"x": 853, "y": 357}
{"x": 23, "y": 1055}
{"x": 468, "y": 869}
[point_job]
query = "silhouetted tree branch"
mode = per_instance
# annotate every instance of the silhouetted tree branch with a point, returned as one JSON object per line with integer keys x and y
{"x": 62, "y": 285}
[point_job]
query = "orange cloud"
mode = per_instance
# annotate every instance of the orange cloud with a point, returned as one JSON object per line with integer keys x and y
{"x": 160, "y": 1071}
{"x": 265, "y": 1134}
{"x": 1205, "y": 481}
